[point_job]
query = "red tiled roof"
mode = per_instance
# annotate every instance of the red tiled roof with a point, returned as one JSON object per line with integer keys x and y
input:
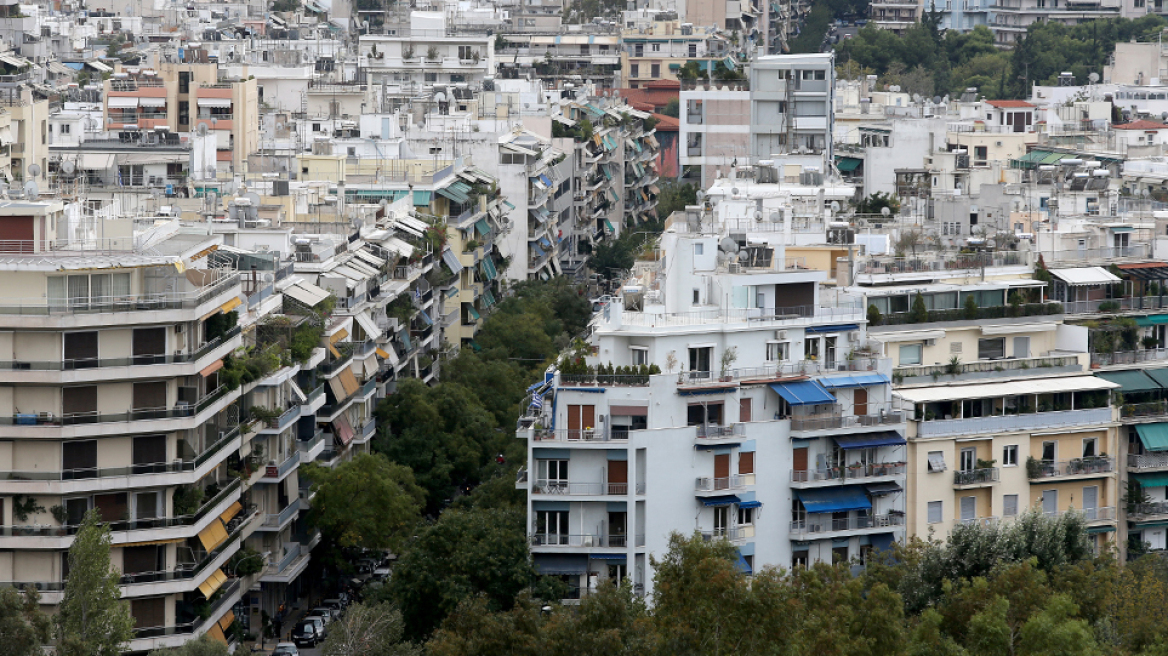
{"x": 642, "y": 106}
{"x": 664, "y": 85}
{"x": 1142, "y": 265}
{"x": 666, "y": 123}
{"x": 1008, "y": 104}
{"x": 1142, "y": 125}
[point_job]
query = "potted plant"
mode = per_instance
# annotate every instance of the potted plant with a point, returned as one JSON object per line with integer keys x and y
{"x": 62, "y": 516}
{"x": 729, "y": 356}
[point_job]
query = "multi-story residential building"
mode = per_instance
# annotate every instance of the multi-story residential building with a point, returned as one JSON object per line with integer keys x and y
{"x": 1009, "y": 19}
{"x": 713, "y": 128}
{"x": 659, "y": 45}
{"x": 795, "y": 457}
{"x": 791, "y": 108}
{"x": 426, "y": 52}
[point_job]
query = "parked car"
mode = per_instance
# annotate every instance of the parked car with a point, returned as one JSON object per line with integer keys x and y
{"x": 325, "y": 612}
{"x": 321, "y": 626}
{"x": 336, "y": 604}
{"x": 381, "y": 574}
{"x": 305, "y": 634}
{"x": 286, "y": 649}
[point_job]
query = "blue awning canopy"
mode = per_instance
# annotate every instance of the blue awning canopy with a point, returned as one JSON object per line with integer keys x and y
{"x": 720, "y": 501}
{"x": 839, "y": 328}
{"x": 561, "y": 563}
{"x": 881, "y": 541}
{"x": 742, "y": 565}
{"x": 608, "y": 556}
{"x": 869, "y": 440}
{"x": 835, "y": 499}
{"x": 854, "y": 380}
{"x": 544, "y": 179}
{"x": 750, "y": 504}
{"x": 804, "y": 392}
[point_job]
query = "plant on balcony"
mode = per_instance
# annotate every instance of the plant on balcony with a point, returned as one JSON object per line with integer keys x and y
{"x": 1134, "y": 497}
{"x": 60, "y": 514}
{"x": 408, "y": 53}
{"x": 24, "y": 505}
{"x": 1034, "y": 467}
{"x": 954, "y": 366}
{"x": 729, "y": 357}
{"x": 919, "y": 313}
{"x": 264, "y": 414}
{"x": 970, "y": 312}
{"x": 875, "y": 318}
{"x": 985, "y": 464}
{"x": 1109, "y": 306}
{"x": 432, "y": 53}
{"x": 897, "y": 378}
{"x": 187, "y": 500}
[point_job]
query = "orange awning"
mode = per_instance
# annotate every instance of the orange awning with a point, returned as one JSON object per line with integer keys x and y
{"x": 214, "y": 535}
{"x": 231, "y": 512}
{"x": 217, "y": 633}
{"x": 211, "y": 368}
{"x": 213, "y": 583}
{"x": 382, "y": 354}
{"x": 338, "y": 336}
{"x": 227, "y": 620}
{"x": 231, "y": 305}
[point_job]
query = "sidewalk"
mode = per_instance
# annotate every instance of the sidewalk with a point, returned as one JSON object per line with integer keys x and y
{"x": 291, "y": 619}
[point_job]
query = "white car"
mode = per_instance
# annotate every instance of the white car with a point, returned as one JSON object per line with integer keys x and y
{"x": 286, "y": 649}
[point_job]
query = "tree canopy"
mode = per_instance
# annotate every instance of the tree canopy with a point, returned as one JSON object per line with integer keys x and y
{"x": 92, "y": 619}
{"x": 367, "y": 502}
{"x": 23, "y": 627}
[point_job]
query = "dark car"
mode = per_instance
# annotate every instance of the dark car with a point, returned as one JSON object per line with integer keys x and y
{"x": 305, "y": 634}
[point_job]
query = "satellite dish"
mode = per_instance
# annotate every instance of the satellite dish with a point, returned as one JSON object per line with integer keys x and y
{"x": 30, "y": 189}
{"x": 214, "y": 122}
{"x": 1093, "y": 77}
{"x": 885, "y": 211}
{"x": 34, "y": 170}
{"x": 253, "y": 197}
{"x": 202, "y": 129}
{"x": 936, "y": 100}
{"x": 728, "y": 245}
{"x": 835, "y": 206}
{"x": 68, "y": 167}
{"x": 734, "y": 190}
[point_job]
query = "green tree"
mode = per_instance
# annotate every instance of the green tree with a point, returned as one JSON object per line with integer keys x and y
{"x": 918, "y": 313}
{"x": 674, "y": 197}
{"x": 672, "y": 108}
{"x": 368, "y": 630}
{"x": 462, "y": 555}
{"x": 23, "y": 627}
{"x": 204, "y": 645}
{"x": 92, "y": 619}
{"x": 611, "y": 258}
{"x": 367, "y": 502}
{"x": 875, "y": 202}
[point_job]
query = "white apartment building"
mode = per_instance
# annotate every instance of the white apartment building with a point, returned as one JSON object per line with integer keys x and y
{"x": 767, "y": 426}
{"x": 791, "y": 113}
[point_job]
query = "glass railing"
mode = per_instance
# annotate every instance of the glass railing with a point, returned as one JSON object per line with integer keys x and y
{"x": 137, "y": 360}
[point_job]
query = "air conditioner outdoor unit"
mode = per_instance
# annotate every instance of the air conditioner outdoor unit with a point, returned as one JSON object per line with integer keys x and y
{"x": 780, "y": 334}
{"x": 178, "y": 328}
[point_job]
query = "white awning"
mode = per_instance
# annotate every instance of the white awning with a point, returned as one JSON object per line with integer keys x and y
{"x": 1012, "y": 388}
{"x": 371, "y": 366}
{"x": 369, "y": 258}
{"x": 96, "y": 65}
{"x": 519, "y": 149}
{"x": 407, "y": 228}
{"x": 121, "y": 102}
{"x": 1019, "y": 328}
{"x": 307, "y": 293}
{"x": 908, "y": 335}
{"x": 351, "y": 274}
{"x": 297, "y": 392}
{"x": 57, "y": 68}
{"x": 1085, "y": 276}
{"x": 395, "y": 245}
{"x": 152, "y": 102}
{"x": 5, "y": 136}
{"x": 15, "y": 60}
{"x": 155, "y": 158}
{"x": 420, "y": 226}
{"x": 368, "y": 325}
{"x": 95, "y": 161}
{"x": 224, "y": 103}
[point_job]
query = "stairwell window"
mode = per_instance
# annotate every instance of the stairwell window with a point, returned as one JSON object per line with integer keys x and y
{"x": 935, "y": 514}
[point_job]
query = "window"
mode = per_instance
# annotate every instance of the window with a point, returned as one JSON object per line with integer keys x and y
{"x": 431, "y": 77}
{"x": 655, "y": 71}
{"x": 980, "y": 155}
{"x": 80, "y": 350}
{"x": 656, "y": 47}
{"x": 1090, "y": 447}
{"x": 1048, "y": 451}
{"x": 821, "y": 74}
{"x": 551, "y": 526}
{"x": 79, "y": 459}
{"x": 799, "y": 558}
{"x": 746, "y": 462}
{"x": 640, "y": 355}
{"x": 968, "y": 509}
{"x": 968, "y": 459}
{"x": 146, "y": 505}
{"x": 936, "y": 461}
{"x": 991, "y": 349}
{"x": 697, "y": 296}
{"x": 552, "y": 471}
{"x": 634, "y": 70}
{"x": 466, "y": 52}
{"x": 1009, "y": 505}
{"x": 1021, "y": 347}
{"x": 66, "y": 128}
{"x": 935, "y": 512}
{"x": 1010, "y": 456}
{"x": 910, "y": 354}
{"x": 700, "y": 359}
{"x": 699, "y": 249}
{"x": 745, "y": 516}
{"x": 707, "y": 414}
{"x": 1050, "y": 502}
{"x": 777, "y": 351}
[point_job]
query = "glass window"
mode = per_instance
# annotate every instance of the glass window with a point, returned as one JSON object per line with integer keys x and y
{"x": 640, "y": 355}
{"x": 745, "y": 516}
{"x": 777, "y": 351}
{"x": 991, "y": 349}
{"x": 699, "y": 249}
{"x": 1090, "y": 447}
{"x": 910, "y": 354}
{"x": 1010, "y": 455}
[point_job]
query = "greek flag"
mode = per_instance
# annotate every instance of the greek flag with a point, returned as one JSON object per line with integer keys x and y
{"x": 537, "y": 401}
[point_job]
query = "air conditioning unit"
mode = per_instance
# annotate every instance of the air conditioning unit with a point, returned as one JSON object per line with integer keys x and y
{"x": 178, "y": 328}
{"x": 780, "y": 334}
{"x": 853, "y": 337}
{"x": 930, "y": 342}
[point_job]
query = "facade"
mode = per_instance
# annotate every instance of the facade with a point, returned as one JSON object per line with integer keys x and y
{"x": 791, "y": 107}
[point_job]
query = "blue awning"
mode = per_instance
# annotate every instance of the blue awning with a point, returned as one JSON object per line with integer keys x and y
{"x": 422, "y": 197}
{"x": 854, "y": 380}
{"x": 750, "y": 504}
{"x": 555, "y": 564}
{"x": 805, "y": 392}
{"x": 720, "y": 501}
{"x": 742, "y": 565}
{"x": 835, "y": 499}
{"x": 839, "y": 328}
{"x": 883, "y": 438}
{"x": 881, "y": 541}
{"x": 607, "y": 556}
{"x": 426, "y": 318}
{"x": 544, "y": 179}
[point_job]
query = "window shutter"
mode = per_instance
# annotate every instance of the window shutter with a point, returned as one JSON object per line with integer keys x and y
{"x": 934, "y": 512}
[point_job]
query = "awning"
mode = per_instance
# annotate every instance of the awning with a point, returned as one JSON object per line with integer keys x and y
{"x": 869, "y": 440}
{"x": 451, "y": 261}
{"x": 338, "y": 336}
{"x": 847, "y": 164}
{"x": 1025, "y": 387}
{"x": 454, "y": 194}
{"x": 1153, "y": 436}
{"x": 213, "y": 583}
{"x": 482, "y": 227}
{"x": 211, "y": 368}
{"x": 854, "y": 380}
{"x": 343, "y": 430}
{"x": 840, "y": 328}
{"x": 307, "y": 293}
{"x": 883, "y": 489}
{"x": 218, "y": 103}
{"x": 227, "y": 620}
{"x": 908, "y": 336}
{"x": 1096, "y": 530}
{"x": 742, "y": 565}
{"x": 214, "y": 535}
{"x": 834, "y": 499}
{"x": 370, "y": 366}
{"x": 231, "y": 512}
{"x": 95, "y": 161}
{"x": 1131, "y": 382}
{"x": 1159, "y": 375}
{"x": 608, "y": 556}
{"x": 806, "y": 392}
{"x": 230, "y": 305}
{"x": 348, "y": 382}
{"x": 470, "y": 309}
{"x": 216, "y": 633}
{"x": 1085, "y": 276}
{"x": 395, "y": 245}
{"x": 561, "y": 564}
{"x": 713, "y": 502}
{"x": 422, "y": 198}
{"x": 368, "y": 325}
{"x": 1152, "y": 320}
{"x": 1151, "y": 480}
{"x": 1012, "y": 329}
{"x": 750, "y": 504}
{"x": 121, "y": 102}
{"x": 152, "y": 102}
{"x": 96, "y": 65}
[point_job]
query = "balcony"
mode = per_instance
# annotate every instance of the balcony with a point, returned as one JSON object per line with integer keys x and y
{"x": 276, "y": 473}
{"x": 275, "y": 522}
{"x": 735, "y": 534}
{"x": 311, "y": 448}
{"x": 985, "y": 522}
{"x": 1013, "y": 423}
{"x": 1104, "y": 515}
{"x": 868, "y": 473}
{"x": 564, "y": 488}
{"x": 580, "y": 541}
{"x": 970, "y": 478}
{"x": 278, "y": 424}
{"x": 1097, "y": 255}
{"x": 825, "y": 526}
{"x": 1143, "y": 512}
{"x": 1088, "y": 467}
{"x": 103, "y": 305}
{"x": 724, "y": 484}
{"x": 711, "y": 433}
{"x": 1157, "y": 355}
{"x": 580, "y": 435}
{"x": 835, "y": 420}
{"x": 989, "y": 368}
{"x": 1147, "y": 461}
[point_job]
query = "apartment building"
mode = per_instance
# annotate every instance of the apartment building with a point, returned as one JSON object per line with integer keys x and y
{"x": 713, "y": 128}
{"x": 657, "y": 48}
{"x": 1010, "y": 18}
{"x": 791, "y": 108}
{"x": 795, "y": 455}
{"x": 426, "y": 52}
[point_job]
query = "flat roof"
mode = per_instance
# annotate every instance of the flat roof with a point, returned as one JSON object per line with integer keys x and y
{"x": 1029, "y": 386}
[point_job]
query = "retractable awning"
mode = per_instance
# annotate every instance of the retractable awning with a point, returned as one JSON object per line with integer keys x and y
{"x": 848, "y": 164}
{"x": 838, "y": 328}
{"x": 870, "y": 440}
{"x": 307, "y": 293}
{"x": 561, "y": 564}
{"x": 884, "y": 489}
{"x": 121, "y": 102}
{"x": 1151, "y": 480}
{"x": 1085, "y": 276}
{"x": 231, "y": 512}
{"x": 217, "y": 103}
{"x": 214, "y": 535}
{"x": 211, "y": 368}
{"x": 1026, "y": 387}
{"x": 343, "y": 430}
{"x": 1131, "y": 382}
{"x": 372, "y": 331}
{"x": 834, "y": 499}
{"x": 806, "y": 392}
{"x": 451, "y": 261}
{"x": 1154, "y": 437}
{"x": 713, "y": 502}
{"x": 213, "y": 583}
{"x": 854, "y": 380}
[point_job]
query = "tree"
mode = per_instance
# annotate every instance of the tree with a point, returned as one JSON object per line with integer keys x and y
{"x": 672, "y": 108}
{"x": 368, "y": 630}
{"x": 205, "y": 645}
{"x": 874, "y": 203}
{"x": 611, "y": 258}
{"x": 919, "y": 313}
{"x": 23, "y": 627}
{"x": 674, "y": 197}
{"x": 367, "y": 502}
{"x": 462, "y": 555}
{"x": 92, "y": 619}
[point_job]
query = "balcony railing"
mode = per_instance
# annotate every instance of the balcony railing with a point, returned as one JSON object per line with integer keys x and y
{"x": 1088, "y": 466}
{"x": 1019, "y": 364}
{"x": 565, "y": 488}
{"x": 775, "y": 370}
{"x": 1116, "y": 305}
{"x": 279, "y": 519}
{"x": 308, "y": 445}
{"x": 1013, "y": 423}
{"x": 1135, "y": 251}
{"x": 976, "y": 476}
{"x": 940, "y": 262}
{"x": 1147, "y": 461}
{"x": 733, "y": 534}
{"x": 1149, "y": 409}
{"x": 137, "y": 360}
{"x": 138, "y": 414}
{"x": 711, "y": 432}
{"x": 101, "y": 304}
{"x": 572, "y": 540}
{"x": 834, "y": 421}
{"x": 710, "y": 484}
{"x": 278, "y": 471}
{"x": 1130, "y": 357}
{"x": 1104, "y": 514}
{"x": 315, "y": 394}
{"x": 190, "y": 627}
{"x": 831, "y": 524}
{"x": 581, "y": 435}
{"x": 281, "y": 422}
{"x": 978, "y": 521}
{"x": 847, "y": 474}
